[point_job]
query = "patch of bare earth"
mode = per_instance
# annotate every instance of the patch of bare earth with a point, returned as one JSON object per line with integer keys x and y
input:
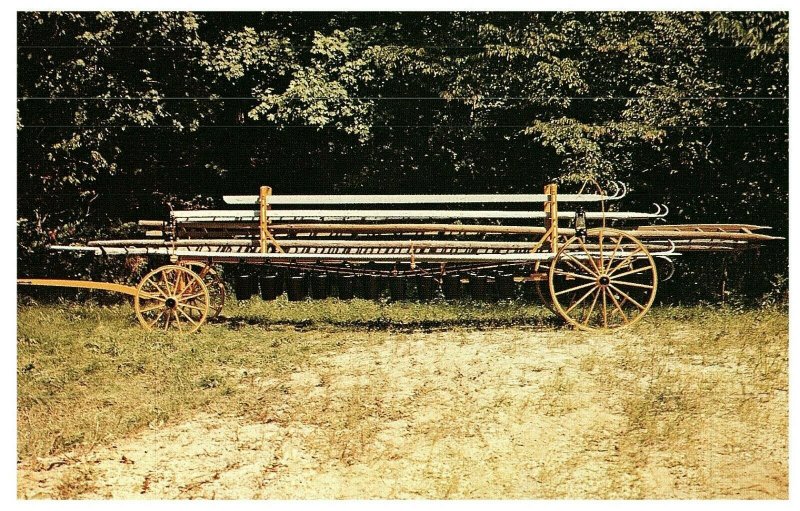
{"x": 507, "y": 413}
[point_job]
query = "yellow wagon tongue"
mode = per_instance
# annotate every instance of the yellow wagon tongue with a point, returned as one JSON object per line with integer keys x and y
{"x": 84, "y": 284}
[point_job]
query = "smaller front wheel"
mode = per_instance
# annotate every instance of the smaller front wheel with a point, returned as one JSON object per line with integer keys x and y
{"x": 606, "y": 280}
{"x": 172, "y": 297}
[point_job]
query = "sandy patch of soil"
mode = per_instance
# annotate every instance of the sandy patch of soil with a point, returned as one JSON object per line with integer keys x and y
{"x": 508, "y": 413}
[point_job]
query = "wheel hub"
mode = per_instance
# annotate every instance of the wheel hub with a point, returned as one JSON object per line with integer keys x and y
{"x": 603, "y": 280}
{"x": 171, "y": 302}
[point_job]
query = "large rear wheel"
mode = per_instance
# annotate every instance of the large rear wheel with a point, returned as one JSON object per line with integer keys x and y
{"x": 605, "y": 280}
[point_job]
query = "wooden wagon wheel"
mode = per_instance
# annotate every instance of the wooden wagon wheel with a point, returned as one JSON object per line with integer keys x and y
{"x": 214, "y": 283}
{"x": 172, "y": 297}
{"x": 607, "y": 280}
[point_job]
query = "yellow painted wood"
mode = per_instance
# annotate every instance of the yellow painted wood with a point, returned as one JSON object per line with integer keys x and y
{"x": 83, "y": 284}
{"x": 551, "y": 214}
{"x": 591, "y": 270}
{"x": 170, "y": 283}
{"x": 263, "y": 197}
{"x": 265, "y": 235}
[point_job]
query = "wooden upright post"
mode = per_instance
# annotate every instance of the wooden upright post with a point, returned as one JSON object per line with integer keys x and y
{"x": 551, "y": 214}
{"x": 263, "y": 220}
{"x": 265, "y": 236}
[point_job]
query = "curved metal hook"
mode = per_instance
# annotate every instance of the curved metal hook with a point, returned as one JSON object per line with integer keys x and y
{"x": 624, "y": 191}
{"x": 671, "y": 266}
{"x": 661, "y": 210}
{"x": 620, "y": 190}
{"x": 667, "y": 251}
{"x": 616, "y": 190}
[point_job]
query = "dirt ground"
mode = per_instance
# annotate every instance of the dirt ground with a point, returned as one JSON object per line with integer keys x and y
{"x": 504, "y": 413}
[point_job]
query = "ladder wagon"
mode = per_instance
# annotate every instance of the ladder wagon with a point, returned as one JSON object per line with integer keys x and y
{"x": 592, "y": 275}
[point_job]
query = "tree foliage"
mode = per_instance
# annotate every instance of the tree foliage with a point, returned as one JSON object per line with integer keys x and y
{"x": 121, "y": 115}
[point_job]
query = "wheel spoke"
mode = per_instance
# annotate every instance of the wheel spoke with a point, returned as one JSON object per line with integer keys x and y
{"x": 184, "y": 304}
{"x": 174, "y": 280}
{"x": 158, "y": 288}
{"x": 632, "y": 284}
{"x": 191, "y": 285}
{"x": 152, "y": 323}
{"x": 191, "y": 297}
{"x": 151, "y": 308}
{"x": 618, "y": 306}
{"x": 582, "y": 298}
{"x": 615, "y": 288}
{"x": 165, "y": 280}
{"x": 591, "y": 259}
{"x": 575, "y": 275}
{"x": 183, "y": 279}
{"x": 586, "y": 268}
{"x": 582, "y": 286}
{"x": 614, "y": 253}
{"x": 178, "y": 288}
{"x": 166, "y": 323}
{"x": 575, "y": 267}
{"x": 187, "y": 316}
{"x": 605, "y": 310}
{"x": 177, "y": 320}
{"x": 631, "y": 272}
{"x": 591, "y": 309}
{"x": 625, "y": 261}
{"x": 147, "y": 296}
{"x": 175, "y": 277}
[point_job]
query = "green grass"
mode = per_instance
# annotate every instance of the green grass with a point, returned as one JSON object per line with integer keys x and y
{"x": 87, "y": 374}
